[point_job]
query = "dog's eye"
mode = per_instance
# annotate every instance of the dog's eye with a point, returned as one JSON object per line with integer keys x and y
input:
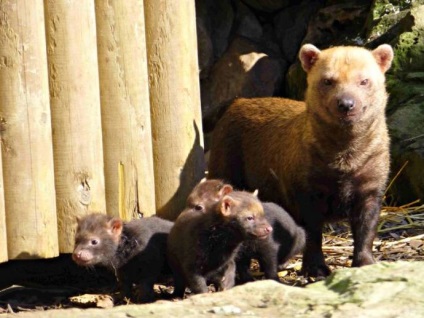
{"x": 364, "y": 82}
{"x": 94, "y": 242}
{"x": 198, "y": 207}
{"x": 328, "y": 82}
{"x": 250, "y": 218}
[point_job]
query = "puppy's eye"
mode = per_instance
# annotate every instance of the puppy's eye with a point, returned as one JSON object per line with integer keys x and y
{"x": 94, "y": 242}
{"x": 364, "y": 82}
{"x": 250, "y": 218}
{"x": 328, "y": 82}
{"x": 198, "y": 207}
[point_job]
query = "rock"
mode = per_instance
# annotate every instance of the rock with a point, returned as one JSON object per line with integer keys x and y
{"x": 246, "y": 24}
{"x": 245, "y": 70}
{"x": 407, "y": 134}
{"x": 382, "y": 290}
{"x": 269, "y": 5}
{"x": 91, "y": 300}
{"x": 416, "y": 244}
{"x": 204, "y": 48}
{"x": 402, "y": 25}
{"x": 217, "y": 16}
{"x": 290, "y": 27}
{"x": 409, "y": 50}
{"x": 295, "y": 83}
{"x": 338, "y": 24}
{"x": 386, "y": 28}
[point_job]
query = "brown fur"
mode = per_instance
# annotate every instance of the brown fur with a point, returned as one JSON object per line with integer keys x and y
{"x": 322, "y": 160}
{"x": 135, "y": 251}
{"x": 286, "y": 240}
{"x": 202, "y": 246}
{"x": 205, "y": 194}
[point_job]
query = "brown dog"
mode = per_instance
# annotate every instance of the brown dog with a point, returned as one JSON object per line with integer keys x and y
{"x": 323, "y": 160}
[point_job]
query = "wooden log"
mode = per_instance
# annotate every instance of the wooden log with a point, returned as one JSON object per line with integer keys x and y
{"x": 127, "y": 136}
{"x": 174, "y": 102}
{"x": 76, "y": 121}
{"x": 3, "y": 233}
{"x": 26, "y": 136}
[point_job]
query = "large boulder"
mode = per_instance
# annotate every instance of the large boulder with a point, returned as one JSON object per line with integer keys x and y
{"x": 401, "y": 24}
{"x": 246, "y": 23}
{"x": 269, "y": 5}
{"x": 204, "y": 48}
{"x": 217, "y": 19}
{"x": 407, "y": 133}
{"x": 245, "y": 70}
{"x": 383, "y": 290}
{"x": 338, "y": 24}
{"x": 291, "y": 25}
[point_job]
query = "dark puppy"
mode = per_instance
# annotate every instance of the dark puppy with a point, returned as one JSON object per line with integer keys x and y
{"x": 203, "y": 246}
{"x": 135, "y": 251}
{"x": 206, "y": 193}
{"x": 286, "y": 240}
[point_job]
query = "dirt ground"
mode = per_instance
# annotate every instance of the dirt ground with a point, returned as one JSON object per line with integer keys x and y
{"x": 59, "y": 283}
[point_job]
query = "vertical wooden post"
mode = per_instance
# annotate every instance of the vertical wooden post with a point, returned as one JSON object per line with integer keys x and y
{"x": 127, "y": 136}
{"x": 75, "y": 104}
{"x": 26, "y": 139}
{"x": 174, "y": 101}
{"x": 3, "y": 233}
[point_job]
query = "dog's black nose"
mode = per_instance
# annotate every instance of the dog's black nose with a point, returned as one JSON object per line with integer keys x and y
{"x": 345, "y": 104}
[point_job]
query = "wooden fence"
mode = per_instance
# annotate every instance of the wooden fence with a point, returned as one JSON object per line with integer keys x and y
{"x": 99, "y": 111}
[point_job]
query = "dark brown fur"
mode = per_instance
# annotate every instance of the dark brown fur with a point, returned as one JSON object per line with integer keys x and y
{"x": 135, "y": 251}
{"x": 202, "y": 246}
{"x": 323, "y": 160}
{"x": 287, "y": 238}
{"x": 207, "y": 193}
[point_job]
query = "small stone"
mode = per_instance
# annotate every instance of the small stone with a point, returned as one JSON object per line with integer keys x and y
{"x": 416, "y": 244}
{"x": 282, "y": 274}
{"x": 226, "y": 310}
{"x": 93, "y": 300}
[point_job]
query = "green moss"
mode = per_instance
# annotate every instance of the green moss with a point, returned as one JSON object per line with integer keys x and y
{"x": 389, "y": 18}
{"x": 409, "y": 50}
{"x": 386, "y": 7}
{"x": 402, "y": 60}
{"x": 384, "y": 24}
{"x": 340, "y": 286}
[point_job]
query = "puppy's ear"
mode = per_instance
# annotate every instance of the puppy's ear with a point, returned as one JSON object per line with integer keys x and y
{"x": 227, "y": 204}
{"x": 226, "y": 188}
{"x": 115, "y": 226}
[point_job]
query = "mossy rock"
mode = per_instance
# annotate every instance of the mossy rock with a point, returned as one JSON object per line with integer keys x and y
{"x": 406, "y": 130}
{"x": 382, "y": 290}
{"x": 401, "y": 24}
